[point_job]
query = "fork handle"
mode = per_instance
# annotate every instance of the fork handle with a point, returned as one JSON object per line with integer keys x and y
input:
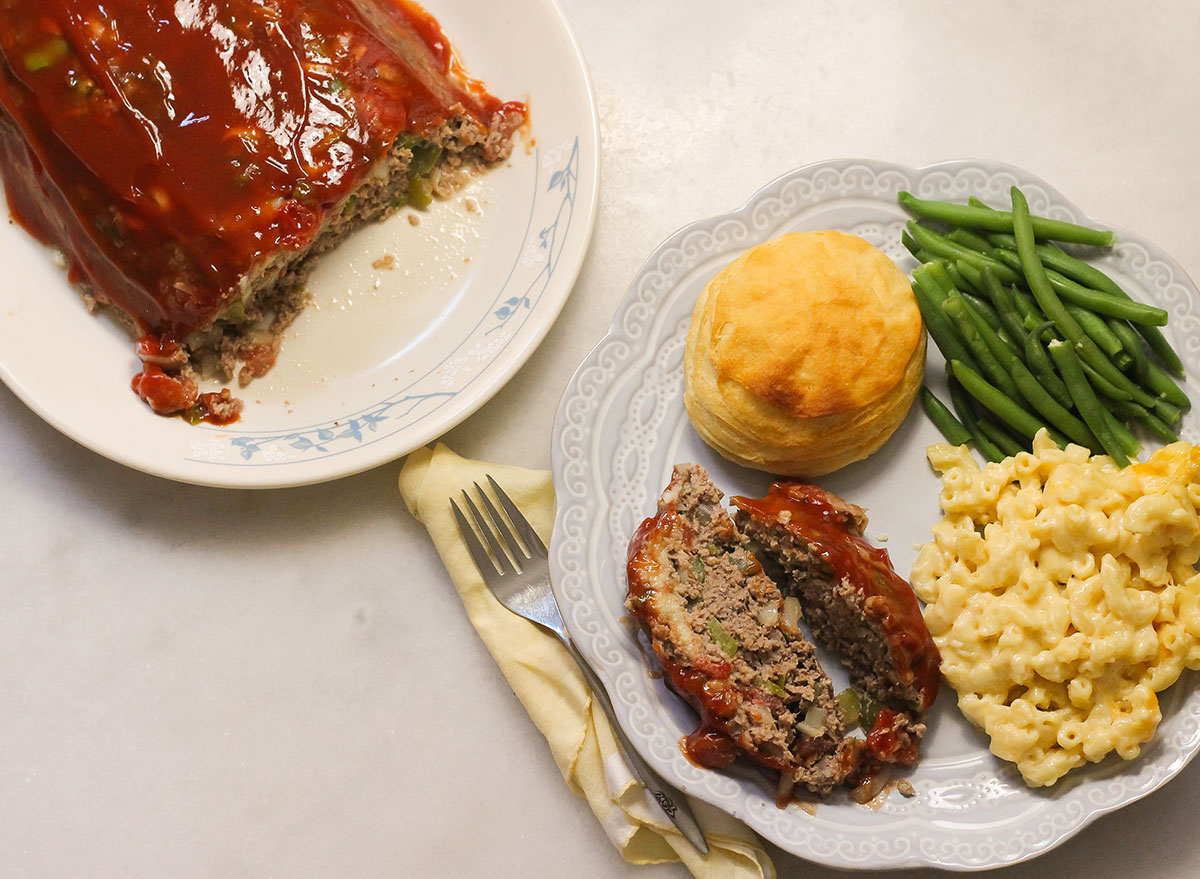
{"x": 672, "y": 803}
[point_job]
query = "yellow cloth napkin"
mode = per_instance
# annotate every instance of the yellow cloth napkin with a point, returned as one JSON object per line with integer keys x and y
{"x": 546, "y": 680}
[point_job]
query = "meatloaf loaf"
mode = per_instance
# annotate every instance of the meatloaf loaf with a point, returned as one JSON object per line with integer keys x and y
{"x": 190, "y": 158}
{"x": 726, "y": 634}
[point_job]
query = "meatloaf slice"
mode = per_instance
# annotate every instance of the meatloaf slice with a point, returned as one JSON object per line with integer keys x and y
{"x": 719, "y": 626}
{"x": 191, "y": 160}
{"x": 854, "y": 603}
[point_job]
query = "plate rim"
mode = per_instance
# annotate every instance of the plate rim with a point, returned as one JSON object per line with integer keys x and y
{"x": 367, "y": 456}
{"x": 1090, "y": 811}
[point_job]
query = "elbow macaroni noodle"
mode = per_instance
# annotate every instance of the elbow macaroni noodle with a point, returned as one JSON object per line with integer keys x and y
{"x": 1063, "y": 595}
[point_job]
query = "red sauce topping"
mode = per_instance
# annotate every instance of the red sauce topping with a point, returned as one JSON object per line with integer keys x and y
{"x": 709, "y": 747}
{"x": 885, "y": 742}
{"x": 169, "y": 394}
{"x": 166, "y": 394}
{"x": 832, "y": 534}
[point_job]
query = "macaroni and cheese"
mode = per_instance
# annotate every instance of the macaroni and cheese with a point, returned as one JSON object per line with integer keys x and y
{"x": 1063, "y": 595}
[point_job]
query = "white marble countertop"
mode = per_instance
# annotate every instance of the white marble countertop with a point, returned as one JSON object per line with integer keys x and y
{"x": 199, "y": 682}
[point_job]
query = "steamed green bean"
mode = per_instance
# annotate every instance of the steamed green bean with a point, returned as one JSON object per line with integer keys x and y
{"x": 1002, "y": 221}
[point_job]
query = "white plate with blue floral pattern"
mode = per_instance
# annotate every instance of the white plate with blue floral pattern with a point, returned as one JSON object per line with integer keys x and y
{"x": 620, "y": 428}
{"x": 414, "y": 322}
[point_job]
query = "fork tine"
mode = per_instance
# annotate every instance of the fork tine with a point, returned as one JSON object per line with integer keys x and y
{"x": 480, "y": 554}
{"x": 502, "y": 561}
{"x": 518, "y": 519}
{"x": 518, "y": 552}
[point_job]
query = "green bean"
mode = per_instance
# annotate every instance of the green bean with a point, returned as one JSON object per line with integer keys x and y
{"x": 1092, "y": 277}
{"x": 928, "y": 285}
{"x": 1157, "y": 424}
{"x": 1039, "y": 364}
{"x": 940, "y": 329}
{"x": 1097, "y": 329}
{"x": 1131, "y": 343}
{"x": 969, "y": 327}
{"x": 1085, "y": 399}
{"x": 967, "y": 238}
{"x": 1056, "y": 414}
{"x": 966, "y": 411}
{"x": 943, "y": 247}
{"x": 992, "y": 333}
{"x": 1167, "y": 412}
{"x": 1002, "y": 221}
{"x": 943, "y": 419}
{"x": 1103, "y": 385}
{"x": 996, "y": 401}
{"x": 1005, "y": 307}
{"x": 970, "y": 273}
{"x": 1122, "y": 434}
{"x": 1094, "y": 300}
{"x": 937, "y": 270}
{"x": 941, "y": 272}
{"x": 1159, "y": 382}
{"x": 925, "y": 278}
{"x": 984, "y": 309}
{"x": 1125, "y": 408}
{"x": 1004, "y": 440}
{"x": 1027, "y": 307}
{"x": 1035, "y": 274}
{"x": 1008, "y": 340}
{"x": 959, "y": 280}
{"x": 1109, "y": 306}
{"x": 1049, "y": 302}
{"x": 1158, "y": 428}
{"x": 910, "y": 245}
{"x": 1045, "y": 328}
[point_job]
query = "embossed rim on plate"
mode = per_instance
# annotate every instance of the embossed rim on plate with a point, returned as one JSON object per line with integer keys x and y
{"x": 489, "y": 329}
{"x": 621, "y": 414}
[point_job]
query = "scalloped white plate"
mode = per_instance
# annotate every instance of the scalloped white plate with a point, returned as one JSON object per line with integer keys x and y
{"x": 386, "y": 358}
{"x": 620, "y": 428}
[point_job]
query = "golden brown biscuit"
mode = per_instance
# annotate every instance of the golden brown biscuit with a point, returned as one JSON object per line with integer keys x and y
{"x": 804, "y": 354}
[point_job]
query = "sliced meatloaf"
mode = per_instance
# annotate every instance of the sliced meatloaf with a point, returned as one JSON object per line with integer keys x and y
{"x": 191, "y": 160}
{"x": 721, "y": 598}
{"x": 720, "y": 628}
{"x": 854, "y": 603}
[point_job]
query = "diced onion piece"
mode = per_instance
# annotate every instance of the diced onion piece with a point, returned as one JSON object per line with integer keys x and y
{"x": 814, "y": 721}
{"x": 869, "y": 788}
{"x": 769, "y": 617}
{"x": 790, "y": 618}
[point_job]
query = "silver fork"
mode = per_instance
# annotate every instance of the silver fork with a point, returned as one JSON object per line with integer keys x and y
{"x": 520, "y": 580}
